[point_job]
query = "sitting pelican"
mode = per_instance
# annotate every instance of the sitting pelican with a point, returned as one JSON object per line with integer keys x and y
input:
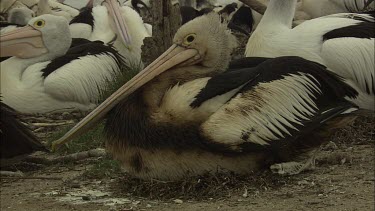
{"x": 50, "y": 72}
{"x": 185, "y": 115}
{"x": 316, "y": 9}
{"x": 45, "y": 8}
{"x": 7, "y": 5}
{"x": 16, "y": 139}
{"x": 344, "y": 43}
{"x": 17, "y": 17}
{"x": 121, "y": 26}
{"x": 309, "y": 9}
{"x": 20, "y": 16}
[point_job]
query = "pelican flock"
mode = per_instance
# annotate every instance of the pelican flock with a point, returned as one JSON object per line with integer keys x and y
{"x": 307, "y": 69}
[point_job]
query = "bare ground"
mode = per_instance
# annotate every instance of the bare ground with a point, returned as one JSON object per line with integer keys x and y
{"x": 343, "y": 180}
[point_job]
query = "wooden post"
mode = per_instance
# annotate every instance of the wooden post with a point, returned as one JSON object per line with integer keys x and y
{"x": 166, "y": 20}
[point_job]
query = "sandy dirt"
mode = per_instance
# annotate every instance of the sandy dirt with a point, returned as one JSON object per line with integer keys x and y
{"x": 343, "y": 180}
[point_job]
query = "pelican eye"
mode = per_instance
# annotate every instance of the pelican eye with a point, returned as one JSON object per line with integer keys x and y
{"x": 189, "y": 39}
{"x": 39, "y": 23}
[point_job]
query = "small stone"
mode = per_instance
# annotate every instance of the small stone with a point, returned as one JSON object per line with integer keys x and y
{"x": 303, "y": 182}
{"x": 66, "y": 115}
{"x": 245, "y": 194}
{"x": 343, "y": 161}
{"x": 86, "y": 198}
{"x": 178, "y": 201}
{"x": 75, "y": 185}
{"x": 148, "y": 205}
{"x": 136, "y": 202}
{"x": 331, "y": 146}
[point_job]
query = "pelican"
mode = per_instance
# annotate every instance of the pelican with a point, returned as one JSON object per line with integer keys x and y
{"x": 17, "y": 17}
{"x": 344, "y": 43}
{"x": 16, "y": 139}
{"x": 47, "y": 74}
{"x": 44, "y": 7}
{"x": 186, "y": 115}
{"x": 316, "y": 9}
{"x": 7, "y": 5}
{"x": 308, "y": 9}
{"x": 235, "y": 17}
{"x": 20, "y": 16}
{"x": 111, "y": 23}
{"x": 138, "y": 5}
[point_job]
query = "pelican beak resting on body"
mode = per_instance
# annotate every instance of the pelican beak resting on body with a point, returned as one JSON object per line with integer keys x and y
{"x": 118, "y": 20}
{"x": 25, "y": 42}
{"x": 188, "y": 49}
{"x": 176, "y": 55}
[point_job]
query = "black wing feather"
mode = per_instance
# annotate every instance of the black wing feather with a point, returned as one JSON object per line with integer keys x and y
{"x": 243, "y": 16}
{"x": 85, "y": 16}
{"x": 16, "y": 139}
{"x": 79, "y": 48}
{"x": 246, "y": 62}
{"x": 330, "y": 102}
{"x": 238, "y": 74}
{"x": 364, "y": 29}
{"x": 262, "y": 70}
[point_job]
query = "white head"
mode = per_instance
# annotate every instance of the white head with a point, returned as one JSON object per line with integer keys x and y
{"x": 46, "y": 35}
{"x": 210, "y": 37}
{"x": 204, "y": 43}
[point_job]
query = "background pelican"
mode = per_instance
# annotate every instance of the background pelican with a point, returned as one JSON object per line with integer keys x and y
{"x": 121, "y": 26}
{"x": 185, "y": 115}
{"x": 44, "y": 7}
{"x": 342, "y": 42}
{"x": 309, "y": 9}
{"x": 17, "y": 17}
{"x": 47, "y": 74}
{"x": 20, "y": 16}
{"x": 7, "y": 5}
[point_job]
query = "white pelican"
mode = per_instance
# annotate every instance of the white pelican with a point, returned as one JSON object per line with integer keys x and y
{"x": 309, "y": 9}
{"x": 20, "y": 16}
{"x": 138, "y": 5}
{"x": 17, "y": 17}
{"x": 15, "y": 138}
{"x": 45, "y": 74}
{"x": 111, "y": 23}
{"x": 7, "y": 5}
{"x": 45, "y": 8}
{"x": 343, "y": 42}
{"x": 316, "y": 9}
{"x": 230, "y": 13}
{"x": 185, "y": 115}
